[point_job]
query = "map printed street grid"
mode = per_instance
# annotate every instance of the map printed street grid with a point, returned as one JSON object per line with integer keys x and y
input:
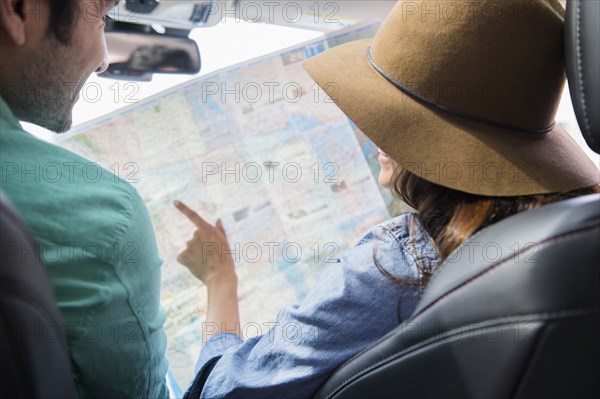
{"x": 287, "y": 172}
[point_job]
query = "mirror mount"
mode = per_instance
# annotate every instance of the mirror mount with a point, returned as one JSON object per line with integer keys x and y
{"x": 136, "y": 51}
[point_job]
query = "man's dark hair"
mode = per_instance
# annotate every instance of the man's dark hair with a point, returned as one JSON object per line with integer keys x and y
{"x": 62, "y": 19}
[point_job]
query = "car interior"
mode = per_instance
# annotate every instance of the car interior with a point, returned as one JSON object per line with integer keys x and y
{"x": 523, "y": 324}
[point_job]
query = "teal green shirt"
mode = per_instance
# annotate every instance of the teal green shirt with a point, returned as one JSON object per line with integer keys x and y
{"x": 95, "y": 236}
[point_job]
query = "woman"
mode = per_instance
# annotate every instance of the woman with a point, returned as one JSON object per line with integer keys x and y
{"x": 465, "y": 106}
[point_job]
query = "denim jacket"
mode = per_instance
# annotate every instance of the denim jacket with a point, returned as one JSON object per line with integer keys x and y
{"x": 353, "y": 305}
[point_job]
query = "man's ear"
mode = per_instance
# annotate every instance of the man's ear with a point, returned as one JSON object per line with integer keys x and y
{"x": 12, "y": 21}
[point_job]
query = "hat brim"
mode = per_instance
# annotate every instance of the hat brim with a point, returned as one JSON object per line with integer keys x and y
{"x": 448, "y": 150}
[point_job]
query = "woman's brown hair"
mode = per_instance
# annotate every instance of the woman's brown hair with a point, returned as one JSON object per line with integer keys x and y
{"x": 451, "y": 217}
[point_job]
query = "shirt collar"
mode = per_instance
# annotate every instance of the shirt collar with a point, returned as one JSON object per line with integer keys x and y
{"x": 7, "y": 118}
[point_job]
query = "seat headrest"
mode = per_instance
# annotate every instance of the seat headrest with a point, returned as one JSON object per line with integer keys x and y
{"x": 582, "y": 30}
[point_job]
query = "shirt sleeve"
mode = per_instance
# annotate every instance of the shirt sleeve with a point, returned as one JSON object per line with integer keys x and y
{"x": 97, "y": 240}
{"x": 352, "y": 306}
{"x": 215, "y": 347}
{"x": 211, "y": 353}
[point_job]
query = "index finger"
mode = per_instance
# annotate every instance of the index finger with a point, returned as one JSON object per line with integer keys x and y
{"x": 191, "y": 215}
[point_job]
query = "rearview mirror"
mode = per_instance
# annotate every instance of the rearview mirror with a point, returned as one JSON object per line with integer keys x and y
{"x": 135, "y": 53}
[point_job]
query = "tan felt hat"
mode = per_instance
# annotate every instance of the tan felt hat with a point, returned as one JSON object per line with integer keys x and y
{"x": 463, "y": 94}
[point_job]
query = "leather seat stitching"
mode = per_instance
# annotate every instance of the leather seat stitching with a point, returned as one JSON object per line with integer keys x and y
{"x": 552, "y": 315}
{"x": 503, "y": 261}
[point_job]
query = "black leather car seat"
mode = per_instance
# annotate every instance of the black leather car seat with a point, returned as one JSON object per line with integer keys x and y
{"x": 35, "y": 363}
{"x": 515, "y": 311}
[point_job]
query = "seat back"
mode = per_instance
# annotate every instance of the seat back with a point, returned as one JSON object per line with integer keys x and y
{"x": 515, "y": 311}
{"x": 582, "y": 55}
{"x": 35, "y": 363}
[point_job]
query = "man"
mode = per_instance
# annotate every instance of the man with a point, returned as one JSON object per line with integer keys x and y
{"x": 93, "y": 230}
